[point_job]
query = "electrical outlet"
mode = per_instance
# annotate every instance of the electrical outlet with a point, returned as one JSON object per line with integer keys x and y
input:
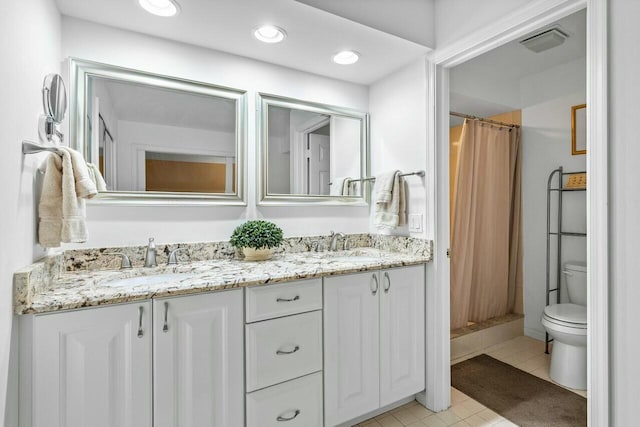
{"x": 415, "y": 222}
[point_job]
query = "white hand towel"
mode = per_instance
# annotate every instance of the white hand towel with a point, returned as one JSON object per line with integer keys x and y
{"x": 62, "y": 208}
{"x": 50, "y": 207}
{"x": 384, "y": 186}
{"x": 85, "y": 186}
{"x": 96, "y": 177}
{"x": 393, "y": 213}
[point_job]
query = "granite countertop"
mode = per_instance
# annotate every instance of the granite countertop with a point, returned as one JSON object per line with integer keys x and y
{"x": 77, "y": 289}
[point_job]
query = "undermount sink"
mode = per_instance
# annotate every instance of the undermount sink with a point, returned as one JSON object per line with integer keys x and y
{"x": 147, "y": 280}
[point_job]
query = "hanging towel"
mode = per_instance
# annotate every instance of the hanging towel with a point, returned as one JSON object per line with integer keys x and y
{"x": 338, "y": 186}
{"x": 96, "y": 177}
{"x": 392, "y": 213}
{"x": 350, "y": 188}
{"x": 384, "y": 186}
{"x": 67, "y": 183}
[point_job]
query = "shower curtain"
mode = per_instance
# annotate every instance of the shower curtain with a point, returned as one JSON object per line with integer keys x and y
{"x": 486, "y": 241}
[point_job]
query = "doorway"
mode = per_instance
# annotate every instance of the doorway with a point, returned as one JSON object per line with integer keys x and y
{"x": 441, "y": 62}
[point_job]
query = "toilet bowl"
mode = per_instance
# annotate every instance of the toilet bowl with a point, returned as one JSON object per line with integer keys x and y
{"x": 567, "y": 325}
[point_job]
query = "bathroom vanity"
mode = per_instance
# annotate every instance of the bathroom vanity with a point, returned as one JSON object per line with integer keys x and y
{"x": 308, "y": 338}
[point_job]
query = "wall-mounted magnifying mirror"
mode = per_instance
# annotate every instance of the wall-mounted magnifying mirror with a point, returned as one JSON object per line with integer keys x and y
{"x": 312, "y": 153}
{"x": 160, "y": 139}
{"x": 54, "y": 100}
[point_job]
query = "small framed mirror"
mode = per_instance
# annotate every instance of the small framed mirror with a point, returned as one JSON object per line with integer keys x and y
{"x": 159, "y": 139}
{"x": 579, "y": 129}
{"x": 54, "y": 103}
{"x": 312, "y": 153}
{"x": 54, "y": 97}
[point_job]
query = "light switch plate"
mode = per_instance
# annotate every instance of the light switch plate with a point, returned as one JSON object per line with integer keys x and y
{"x": 415, "y": 222}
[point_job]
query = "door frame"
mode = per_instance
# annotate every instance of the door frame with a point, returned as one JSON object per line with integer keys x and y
{"x": 508, "y": 28}
{"x": 298, "y": 150}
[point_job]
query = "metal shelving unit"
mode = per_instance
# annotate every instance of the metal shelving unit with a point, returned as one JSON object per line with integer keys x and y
{"x": 559, "y": 175}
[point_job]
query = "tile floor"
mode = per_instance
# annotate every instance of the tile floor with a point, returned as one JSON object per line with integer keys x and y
{"x": 522, "y": 352}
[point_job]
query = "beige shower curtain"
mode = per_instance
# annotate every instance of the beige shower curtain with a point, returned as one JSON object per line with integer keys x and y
{"x": 486, "y": 246}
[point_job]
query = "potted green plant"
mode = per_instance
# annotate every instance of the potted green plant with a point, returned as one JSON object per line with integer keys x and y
{"x": 256, "y": 239}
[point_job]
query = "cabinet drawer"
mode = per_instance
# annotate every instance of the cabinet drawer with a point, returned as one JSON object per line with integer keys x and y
{"x": 267, "y": 302}
{"x": 282, "y": 349}
{"x": 296, "y": 403}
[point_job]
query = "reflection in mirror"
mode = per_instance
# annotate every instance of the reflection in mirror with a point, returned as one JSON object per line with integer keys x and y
{"x": 154, "y": 136}
{"x": 312, "y": 152}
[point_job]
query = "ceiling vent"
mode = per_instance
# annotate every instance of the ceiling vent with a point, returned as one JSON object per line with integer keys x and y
{"x": 545, "y": 40}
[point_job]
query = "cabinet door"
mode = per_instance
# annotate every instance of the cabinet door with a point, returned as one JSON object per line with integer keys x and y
{"x": 198, "y": 360}
{"x": 402, "y": 329}
{"x": 351, "y": 334}
{"x": 93, "y": 367}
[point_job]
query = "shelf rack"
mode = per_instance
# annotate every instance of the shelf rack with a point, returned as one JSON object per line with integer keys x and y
{"x": 559, "y": 233}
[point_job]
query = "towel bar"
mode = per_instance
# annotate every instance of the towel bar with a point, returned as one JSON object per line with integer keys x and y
{"x": 29, "y": 147}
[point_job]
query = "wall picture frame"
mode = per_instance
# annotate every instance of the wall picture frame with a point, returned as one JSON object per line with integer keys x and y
{"x": 579, "y": 129}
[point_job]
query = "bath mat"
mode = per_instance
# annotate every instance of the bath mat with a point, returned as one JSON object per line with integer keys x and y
{"x": 518, "y": 396}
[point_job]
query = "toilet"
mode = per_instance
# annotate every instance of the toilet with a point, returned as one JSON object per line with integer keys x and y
{"x": 567, "y": 324}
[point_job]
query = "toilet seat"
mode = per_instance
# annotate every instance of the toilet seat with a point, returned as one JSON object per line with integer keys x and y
{"x": 567, "y": 315}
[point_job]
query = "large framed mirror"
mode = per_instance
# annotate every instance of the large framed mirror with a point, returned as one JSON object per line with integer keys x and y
{"x": 159, "y": 139}
{"x": 311, "y": 153}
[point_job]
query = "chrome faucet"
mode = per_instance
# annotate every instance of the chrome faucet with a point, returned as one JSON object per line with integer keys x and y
{"x": 333, "y": 246}
{"x": 150, "y": 256}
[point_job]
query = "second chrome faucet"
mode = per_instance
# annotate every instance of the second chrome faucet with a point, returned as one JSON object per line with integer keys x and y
{"x": 333, "y": 245}
{"x": 150, "y": 255}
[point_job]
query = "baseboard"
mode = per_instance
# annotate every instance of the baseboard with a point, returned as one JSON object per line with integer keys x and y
{"x": 534, "y": 333}
{"x": 377, "y": 412}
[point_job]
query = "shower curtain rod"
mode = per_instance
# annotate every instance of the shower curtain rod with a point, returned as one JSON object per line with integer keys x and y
{"x": 467, "y": 116}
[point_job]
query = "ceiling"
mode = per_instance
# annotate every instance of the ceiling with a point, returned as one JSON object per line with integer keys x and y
{"x": 404, "y": 18}
{"x": 507, "y": 65}
{"x": 313, "y": 35}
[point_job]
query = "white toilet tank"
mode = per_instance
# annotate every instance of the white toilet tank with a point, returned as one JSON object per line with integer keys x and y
{"x": 575, "y": 273}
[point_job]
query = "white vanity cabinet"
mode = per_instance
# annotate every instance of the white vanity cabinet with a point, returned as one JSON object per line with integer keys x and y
{"x": 198, "y": 360}
{"x": 374, "y": 342}
{"x": 89, "y": 367}
{"x": 173, "y": 362}
{"x": 283, "y": 354}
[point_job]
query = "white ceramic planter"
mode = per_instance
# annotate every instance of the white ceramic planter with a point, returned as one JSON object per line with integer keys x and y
{"x": 251, "y": 254}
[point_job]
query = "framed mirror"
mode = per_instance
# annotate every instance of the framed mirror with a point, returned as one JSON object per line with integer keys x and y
{"x": 579, "y": 129}
{"x": 159, "y": 139}
{"x": 311, "y": 153}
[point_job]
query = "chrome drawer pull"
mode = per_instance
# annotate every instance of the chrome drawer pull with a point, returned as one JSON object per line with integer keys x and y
{"x": 295, "y": 414}
{"x": 282, "y": 352}
{"x": 165, "y": 327}
{"x": 140, "y": 311}
{"x": 296, "y": 298}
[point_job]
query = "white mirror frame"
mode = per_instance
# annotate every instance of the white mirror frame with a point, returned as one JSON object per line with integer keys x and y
{"x": 80, "y": 71}
{"x": 263, "y": 102}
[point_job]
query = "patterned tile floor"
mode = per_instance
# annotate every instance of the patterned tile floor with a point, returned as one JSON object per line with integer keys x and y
{"x": 522, "y": 352}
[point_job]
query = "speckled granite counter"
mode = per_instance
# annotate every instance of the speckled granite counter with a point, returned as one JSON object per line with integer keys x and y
{"x": 44, "y": 287}
{"x": 91, "y": 288}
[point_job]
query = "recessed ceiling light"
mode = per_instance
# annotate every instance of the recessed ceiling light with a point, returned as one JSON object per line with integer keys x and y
{"x": 346, "y": 57}
{"x": 270, "y": 34}
{"x": 164, "y": 8}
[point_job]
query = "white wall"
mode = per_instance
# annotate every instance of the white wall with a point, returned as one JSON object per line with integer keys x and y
{"x": 110, "y": 225}
{"x": 546, "y": 137}
{"x": 30, "y": 49}
{"x": 398, "y": 106}
{"x": 624, "y": 173}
